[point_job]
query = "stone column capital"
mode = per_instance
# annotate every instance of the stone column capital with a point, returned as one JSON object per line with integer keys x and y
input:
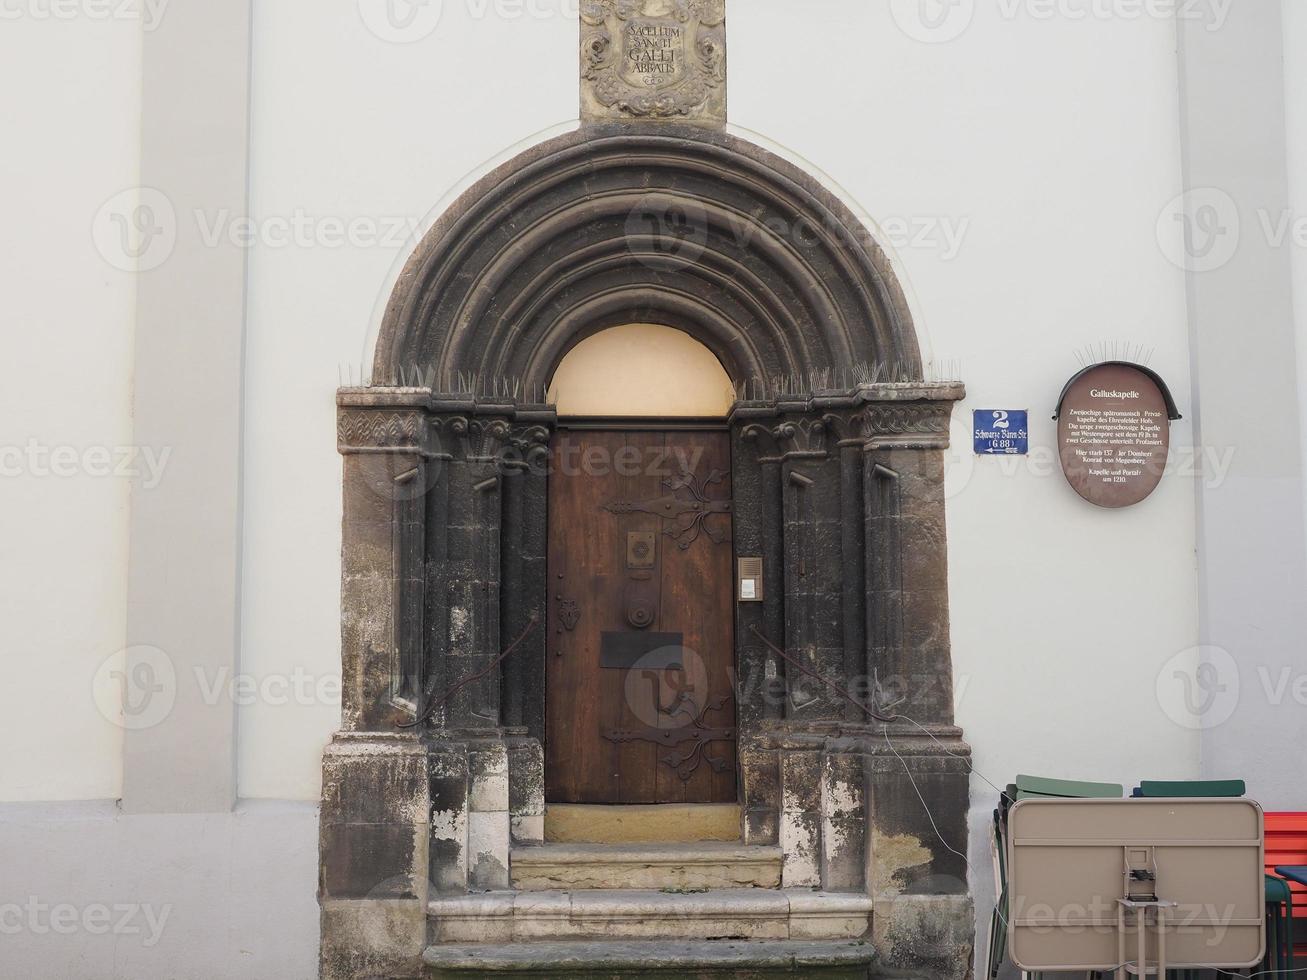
{"x": 381, "y": 420}
{"x": 905, "y": 425}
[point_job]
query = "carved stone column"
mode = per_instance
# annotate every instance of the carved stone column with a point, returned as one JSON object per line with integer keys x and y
{"x": 486, "y": 589}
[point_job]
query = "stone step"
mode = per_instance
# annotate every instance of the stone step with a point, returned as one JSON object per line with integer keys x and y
{"x": 653, "y": 866}
{"x": 728, "y": 913}
{"x": 670, "y": 959}
{"x": 664, "y": 823}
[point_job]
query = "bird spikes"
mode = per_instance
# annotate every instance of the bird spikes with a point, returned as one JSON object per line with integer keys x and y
{"x": 465, "y": 384}
{"x": 457, "y": 384}
{"x": 844, "y": 379}
{"x": 1114, "y": 350}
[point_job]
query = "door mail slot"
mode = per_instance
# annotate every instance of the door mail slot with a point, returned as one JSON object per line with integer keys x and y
{"x": 648, "y": 651}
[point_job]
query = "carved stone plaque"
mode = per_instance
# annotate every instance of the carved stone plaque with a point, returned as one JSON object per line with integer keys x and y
{"x": 653, "y": 59}
{"x": 1113, "y": 434}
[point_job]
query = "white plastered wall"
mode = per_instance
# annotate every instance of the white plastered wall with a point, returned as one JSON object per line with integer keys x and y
{"x": 71, "y": 125}
{"x": 1295, "y": 87}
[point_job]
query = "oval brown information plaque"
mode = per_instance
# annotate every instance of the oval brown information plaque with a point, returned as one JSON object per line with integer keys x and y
{"x": 1114, "y": 433}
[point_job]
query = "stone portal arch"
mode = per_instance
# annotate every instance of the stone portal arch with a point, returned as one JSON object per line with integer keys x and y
{"x": 683, "y": 226}
{"x": 837, "y": 463}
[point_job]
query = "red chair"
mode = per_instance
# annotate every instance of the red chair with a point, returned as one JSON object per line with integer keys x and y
{"x": 1286, "y": 843}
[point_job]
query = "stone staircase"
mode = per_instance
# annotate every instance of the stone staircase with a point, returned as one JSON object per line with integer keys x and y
{"x": 625, "y": 910}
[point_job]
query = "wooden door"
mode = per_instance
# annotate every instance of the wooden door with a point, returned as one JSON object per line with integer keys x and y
{"x": 640, "y": 703}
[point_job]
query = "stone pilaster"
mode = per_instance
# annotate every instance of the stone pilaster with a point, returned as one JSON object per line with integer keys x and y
{"x": 800, "y": 530}
{"x": 374, "y": 836}
{"x": 813, "y": 568}
{"x": 388, "y": 462}
{"x": 801, "y": 815}
{"x": 757, "y": 516}
{"x": 488, "y": 833}
{"x": 761, "y": 781}
{"x": 844, "y": 830}
{"x": 524, "y": 549}
{"x": 908, "y": 652}
{"x": 450, "y": 767}
{"x": 918, "y": 796}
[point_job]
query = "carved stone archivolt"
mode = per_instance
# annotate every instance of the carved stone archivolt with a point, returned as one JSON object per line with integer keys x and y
{"x": 831, "y": 297}
{"x": 653, "y": 59}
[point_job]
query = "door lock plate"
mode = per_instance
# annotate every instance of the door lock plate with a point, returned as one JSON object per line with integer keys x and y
{"x": 641, "y": 549}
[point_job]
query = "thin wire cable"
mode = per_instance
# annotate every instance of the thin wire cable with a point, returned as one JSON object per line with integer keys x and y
{"x": 532, "y": 622}
{"x": 924, "y": 805}
{"x": 957, "y": 755}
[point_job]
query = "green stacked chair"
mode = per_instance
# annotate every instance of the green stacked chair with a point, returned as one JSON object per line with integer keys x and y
{"x": 998, "y": 919}
{"x": 1037, "y": 787}
{"x": 1191, "y": 789}
{"x": 1279, "y": 900}
{"x": 1028, "y": 788}
{"x": 1279, "y": 928}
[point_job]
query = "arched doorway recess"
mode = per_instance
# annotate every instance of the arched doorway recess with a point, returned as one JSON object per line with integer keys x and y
{"x": 835, "y": 444}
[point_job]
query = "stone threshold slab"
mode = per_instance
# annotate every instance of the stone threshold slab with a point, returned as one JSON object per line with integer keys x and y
{"x": 666, "y": 958}
{"x": 645, "y": 866}
{"x": 739, "y": 913}
{"x": 580, "y": 823}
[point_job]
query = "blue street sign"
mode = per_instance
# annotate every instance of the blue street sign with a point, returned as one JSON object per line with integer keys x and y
{"x": 1000, "y": 433}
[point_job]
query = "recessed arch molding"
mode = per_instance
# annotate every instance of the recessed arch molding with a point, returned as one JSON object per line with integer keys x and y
{"x": 691, "y": 228}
